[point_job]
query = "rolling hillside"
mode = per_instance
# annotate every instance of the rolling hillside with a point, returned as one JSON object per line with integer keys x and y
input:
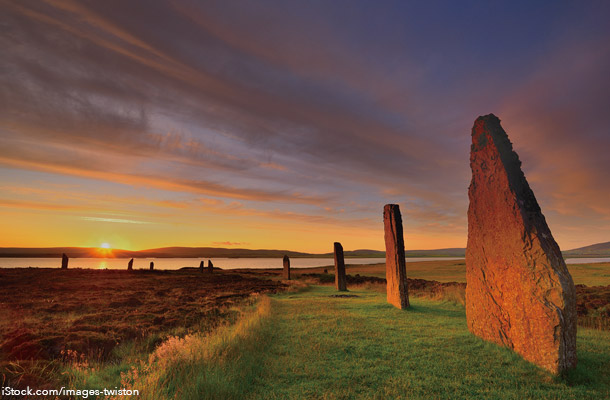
{"x": 594, "y": 250}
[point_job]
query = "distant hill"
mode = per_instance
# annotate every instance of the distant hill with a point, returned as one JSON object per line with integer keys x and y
{"x": 204, "y": 252}
{"x": 451, "y": 252}
{"x": 362, "y": 253}
{"x": 594, "y": 250}
{"x": 164, "y": 252}
{"x": 44, "y": 252}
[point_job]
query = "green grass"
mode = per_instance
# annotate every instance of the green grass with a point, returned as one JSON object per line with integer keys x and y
{"x": 597, "y": 274}
{"x": 349, "y": 348}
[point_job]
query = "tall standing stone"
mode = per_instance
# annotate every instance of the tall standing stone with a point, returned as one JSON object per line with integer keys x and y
{"x": 64, "y": 261}
{"x": 152, "y": 265}
{"x": 201, "y": 266}
{"x": 210, "y": 266}
{"x": 340, "y": 281}
{"x": 130, "y": 265}
{"x": 519, "y": 292}
{"x": 395, "y": 269}
{"x": 286, "y": 267}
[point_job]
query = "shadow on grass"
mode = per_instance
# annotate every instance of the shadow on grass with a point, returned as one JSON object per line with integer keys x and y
{"x": 435, "y": 310}
{"x": 432, "y": 310}
{"x": 589, "y": 370}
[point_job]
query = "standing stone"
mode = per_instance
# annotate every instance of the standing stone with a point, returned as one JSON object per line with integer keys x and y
{"x": 152, "y": 265}
{"x": 519, "y": 292}
{"x": 201, "y": 266}
{"x": 286, "y": 268}
{"x": 395, "y": 269}
{"x": 130, "y": 265}
{"x": 210, "y": 266}
{"x": 340, "y": 281}
{"x": 64, "y": 261}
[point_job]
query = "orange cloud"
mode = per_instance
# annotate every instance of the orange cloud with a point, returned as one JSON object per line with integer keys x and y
{"x": 172, "y": 184}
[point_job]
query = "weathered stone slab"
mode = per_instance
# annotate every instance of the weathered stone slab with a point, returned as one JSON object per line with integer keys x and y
{"x": 64, "y": 261}
{"x": 201, "y": 265}
{"x": 396, "y": 271}
{"x": 519, "y": 292}
{"x": 286, "y": 271}
{"x": 210, "y": 266}
{"x": 130, "y": 265}
{"x": 340, "y": 281}
{"x": 152, "y": 265}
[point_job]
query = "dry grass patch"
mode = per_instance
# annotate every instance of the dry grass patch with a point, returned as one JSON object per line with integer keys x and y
{"x": 98, "y": 314}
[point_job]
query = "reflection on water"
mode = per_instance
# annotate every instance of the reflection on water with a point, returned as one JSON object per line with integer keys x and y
{"x": 177, "y": 263}
{"x": 224, "y": 263}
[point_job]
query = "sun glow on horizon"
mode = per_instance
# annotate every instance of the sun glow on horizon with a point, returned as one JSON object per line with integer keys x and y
{"x": 105, "y": 250}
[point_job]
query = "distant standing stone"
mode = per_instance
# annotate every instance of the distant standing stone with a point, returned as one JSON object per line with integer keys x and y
{"x": 210, "y": 266}
{"x": 64, "y": 261}
{"x": 396, "y": 271}
{"x": 519, "y": 291}
{"x": 201, "y": 266}
{"x": 130, "y": 265}
{"x": 286, "y": 268}
{"x": 152, "y": 265}
{"x": 340, "y": 281}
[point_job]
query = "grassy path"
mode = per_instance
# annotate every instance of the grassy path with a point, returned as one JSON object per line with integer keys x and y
{"x": 323, "y": 347}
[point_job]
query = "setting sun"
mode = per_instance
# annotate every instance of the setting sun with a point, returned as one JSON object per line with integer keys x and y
{"x": 105, "y": 250}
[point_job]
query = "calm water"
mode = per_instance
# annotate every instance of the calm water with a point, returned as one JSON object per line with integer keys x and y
{"x": 225, "y": 263}
{"x": 177, "y": 263}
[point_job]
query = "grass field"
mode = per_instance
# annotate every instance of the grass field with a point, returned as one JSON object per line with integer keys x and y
{"x": 311, "y": 345}
{"x": 455, "y": 271}
{"x": 187, "y": 335}
{"x": 437, "y": 270}
{"x": 361, "y": 347}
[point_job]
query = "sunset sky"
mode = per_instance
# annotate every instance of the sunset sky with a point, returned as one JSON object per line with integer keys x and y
{"x": 285, "y": 124}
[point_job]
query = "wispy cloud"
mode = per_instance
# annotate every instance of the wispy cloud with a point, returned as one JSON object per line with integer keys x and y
{"x": 283, "y": 111}
{"x": 115, "y": 220}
